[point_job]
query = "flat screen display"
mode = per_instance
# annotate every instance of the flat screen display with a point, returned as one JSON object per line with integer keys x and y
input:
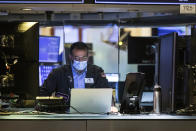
{"x": 141, "y": 50}
{"x": 42, "y": 1}
{"x": 181, "y": 31}
{"x": 146, "y": 1}
{"x": 49, "y": 49}
{"x": 44, "y": 71}
{"x": 112, "y": 77}
{"x": 147, "y": 97}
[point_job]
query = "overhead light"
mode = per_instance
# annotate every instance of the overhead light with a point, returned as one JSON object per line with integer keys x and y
{"x": 120, "y": 43}
{"x": 26, "y": 9}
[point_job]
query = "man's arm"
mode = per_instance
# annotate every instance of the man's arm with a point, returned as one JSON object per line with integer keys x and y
{"x": 49, "y": 85}
{"x": 101, "y": 82}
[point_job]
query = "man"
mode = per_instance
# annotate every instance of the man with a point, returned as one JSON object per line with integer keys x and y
{"x": 79, "y": 74}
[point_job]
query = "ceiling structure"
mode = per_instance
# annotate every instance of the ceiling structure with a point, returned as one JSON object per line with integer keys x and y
{"x": 87, "y": 8}
{"x": 61, "y": 12}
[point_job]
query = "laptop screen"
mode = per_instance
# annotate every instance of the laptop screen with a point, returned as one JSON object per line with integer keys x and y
{"x": 97, "y": 100}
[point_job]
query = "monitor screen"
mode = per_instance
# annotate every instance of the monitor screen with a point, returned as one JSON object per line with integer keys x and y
{"x": 112, "y": 77}
{"x": 147, "y": 97}
{"x": 141, "y": 50}
{"x": 148, "y": 71}
{"x": 182, "y": 30}
{"x": 44, "y": 71}
{"x": 49, "y": 49}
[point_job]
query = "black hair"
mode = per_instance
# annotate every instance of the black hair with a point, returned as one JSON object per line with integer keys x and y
{"x": 79, "y": 46}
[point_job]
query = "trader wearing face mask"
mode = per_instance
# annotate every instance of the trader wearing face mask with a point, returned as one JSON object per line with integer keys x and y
{"x": 79, "y": 74}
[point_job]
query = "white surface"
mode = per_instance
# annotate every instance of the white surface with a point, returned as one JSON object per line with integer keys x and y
{"x": 188, "y": 9}
{"x": 98, "y": 116}
{"x": 112, "y": 77}
{"x": 147, "y": 97}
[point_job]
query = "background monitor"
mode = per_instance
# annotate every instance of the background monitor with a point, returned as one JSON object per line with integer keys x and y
{"x": 181, "y": 30}
{"x": 44, "y": 71}
{"x": 147, "y": 98}
{"x": 141, "y": 50}
{"x": 49, "y": 49}
{"x": 112, "y": 77}
{"x": 149, "y": 71}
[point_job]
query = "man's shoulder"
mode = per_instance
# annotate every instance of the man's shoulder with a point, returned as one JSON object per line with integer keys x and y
{"x": 95, "y": 68}
{"x": 63, "y": 68}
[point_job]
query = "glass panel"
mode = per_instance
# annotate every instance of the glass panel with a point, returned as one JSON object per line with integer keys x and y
{"x": 51, "y": 50}
{"x": 102, "y": 39}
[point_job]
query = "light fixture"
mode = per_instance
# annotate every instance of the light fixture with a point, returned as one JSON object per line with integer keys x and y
{"x": 120, "y": 43}
{"x": 24, "y": 26}
{"x": 26, "y": 9}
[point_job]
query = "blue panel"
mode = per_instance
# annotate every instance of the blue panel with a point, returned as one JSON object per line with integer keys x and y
{"x": 44, "y": 71}
{"x": 49, "y": 49}
{"x": 168, "y": 30}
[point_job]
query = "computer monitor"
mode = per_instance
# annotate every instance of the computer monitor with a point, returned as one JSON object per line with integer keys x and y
{"x": 181, "y": 30}
{"x": 44, "y": 71}
{"x": 112, "y": 77}
{"x": 49, "y": 49}
{"x": 141, "y": 50}
{"x": 149, "y": 72}
{"x": 93, "y": 100}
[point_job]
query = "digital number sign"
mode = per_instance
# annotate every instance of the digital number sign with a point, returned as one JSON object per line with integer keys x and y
{"x": 146, "y": 1}
{"x": 42, "y": 1}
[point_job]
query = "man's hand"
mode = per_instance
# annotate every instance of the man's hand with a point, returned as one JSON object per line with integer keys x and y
{"x": 114, "y": 109}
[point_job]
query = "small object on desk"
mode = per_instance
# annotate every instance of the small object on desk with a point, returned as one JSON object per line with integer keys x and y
{"x": 157, "y": 99}
{"x": 51, "y": 104}
{"x": 191, "y": 110}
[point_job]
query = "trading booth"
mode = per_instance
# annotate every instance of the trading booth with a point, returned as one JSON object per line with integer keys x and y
{"x": 145, "y": 50}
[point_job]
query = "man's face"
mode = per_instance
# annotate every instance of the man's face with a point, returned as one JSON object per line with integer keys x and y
{"x": 79, "y": 55}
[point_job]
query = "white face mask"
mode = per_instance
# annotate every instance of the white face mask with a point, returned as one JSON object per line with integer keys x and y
{"x": 79, "y": 65}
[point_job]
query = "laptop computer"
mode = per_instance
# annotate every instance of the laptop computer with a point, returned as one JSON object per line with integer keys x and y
{"x": 91, "y": 100}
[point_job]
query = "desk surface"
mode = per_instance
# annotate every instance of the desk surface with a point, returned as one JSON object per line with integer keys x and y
{"x": 97, "y": 117}
{"x": 31, "y": 114}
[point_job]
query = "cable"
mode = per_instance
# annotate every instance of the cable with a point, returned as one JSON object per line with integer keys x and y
{"x": 75, "y": 109}
{"x": 108, "y": 113}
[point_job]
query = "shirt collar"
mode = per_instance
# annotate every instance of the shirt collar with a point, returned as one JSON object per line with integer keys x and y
{"x": 77, "y": 72}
